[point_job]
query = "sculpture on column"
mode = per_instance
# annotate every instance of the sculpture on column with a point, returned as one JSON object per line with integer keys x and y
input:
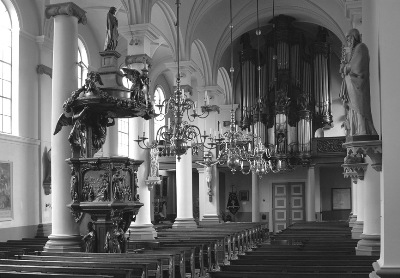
{"x": 111, "y": 41}
{"x": 355, "y": 90}
{"x": 208, "y": 163}
{"x": 90, "y": 239}
{"x": 153, "y": 178}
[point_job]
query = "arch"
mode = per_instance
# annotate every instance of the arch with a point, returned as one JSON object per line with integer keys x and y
{"x": 245, "y": 22}
{"x": 199, "y": 55}
{"x": 224, "y": 81}
{"x": 164, "y": 14}
{"x": 159, "y": 97}
{"x": 82, "y": 62}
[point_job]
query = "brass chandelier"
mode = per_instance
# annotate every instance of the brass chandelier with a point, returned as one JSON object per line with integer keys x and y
{"x": 178, "y": 136}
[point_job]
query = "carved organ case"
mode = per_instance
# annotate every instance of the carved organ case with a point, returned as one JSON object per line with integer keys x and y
{"x": 294, "y": 86}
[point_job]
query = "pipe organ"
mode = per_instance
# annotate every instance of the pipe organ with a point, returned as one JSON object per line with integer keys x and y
{"x": 295, "y": 88}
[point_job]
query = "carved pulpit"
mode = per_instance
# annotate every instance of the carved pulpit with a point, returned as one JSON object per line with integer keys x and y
{"x": 104, "y": 187}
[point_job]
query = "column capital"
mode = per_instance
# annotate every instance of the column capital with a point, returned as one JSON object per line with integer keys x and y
{"x": 371, "y": 148}
{"x": 68, "y": 8}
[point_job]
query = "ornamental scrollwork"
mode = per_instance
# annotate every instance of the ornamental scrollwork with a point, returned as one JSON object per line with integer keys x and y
{"x": 330, "y": 145}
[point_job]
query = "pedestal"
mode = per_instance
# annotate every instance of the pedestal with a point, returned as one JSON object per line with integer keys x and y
{"x": 369, "y": 245}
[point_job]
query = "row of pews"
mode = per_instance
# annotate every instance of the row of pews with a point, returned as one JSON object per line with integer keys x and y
{"x": 175, "y": 253}
{"x": 316, "y": 249}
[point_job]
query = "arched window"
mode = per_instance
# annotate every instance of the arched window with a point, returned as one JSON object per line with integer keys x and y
{"x": 5, "y": 71}
{"x": 82, "y": 63}
{"x": 159, "y": 97}
{"x": 123, "y": 137}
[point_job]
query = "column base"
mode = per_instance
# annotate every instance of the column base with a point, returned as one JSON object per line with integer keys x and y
{"x": 369, "y": 245}
{"x": 63, "y": 243}
{"x": 357, "y": 230}
{"x": 184, "y": 223}
{"x": 209, "y": 219}
{"x": 141, "y": 232}
{"x": 382, "y": 272}
{"x": 352, "y": 220}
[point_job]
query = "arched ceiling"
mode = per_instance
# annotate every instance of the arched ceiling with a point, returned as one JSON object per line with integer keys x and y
{"x": 206, "y": 21}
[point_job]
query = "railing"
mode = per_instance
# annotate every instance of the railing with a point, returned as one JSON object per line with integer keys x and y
{"x": 328, "y": 146}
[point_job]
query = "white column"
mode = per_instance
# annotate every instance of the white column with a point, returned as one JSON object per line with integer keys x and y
{"x": 255, "y": 198}
{"x": 138, "y": 52}
{"x": 317, "y": 194}
{"x": 389, "y": 24}
{"x": 310, "y": 194}
{"x": 353, "y": 216}
{"x": 65, "y": 232}
{"x": 110, "y": 148}
{"x": 142, "y": 228}
{"x": 370, "y": 239}
{"x": 359, "y": 224}
{"x": 184, "y": 198}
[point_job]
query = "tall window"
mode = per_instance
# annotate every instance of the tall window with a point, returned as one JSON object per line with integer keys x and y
{"x": 123, "y": 137}
{"x": 5, "y": 70}
{"x": 159, "y": 97}
{"x": 82, "y": 63}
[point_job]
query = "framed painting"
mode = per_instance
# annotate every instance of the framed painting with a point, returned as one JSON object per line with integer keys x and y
{"x": 243, "y": 195}
{"x": 341, "y": 198}
{"x": 6, "y": 212}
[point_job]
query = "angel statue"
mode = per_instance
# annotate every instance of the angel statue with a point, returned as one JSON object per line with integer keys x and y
{"x": 90, "y": 82}
{"x": 77, "y": 136}
{"x": 208, "y": 163}
{"x": 138, "y": 84}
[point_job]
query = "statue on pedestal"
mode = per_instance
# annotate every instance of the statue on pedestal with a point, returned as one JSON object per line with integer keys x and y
{"x": 355, "y": 90}
{"x": 112, "y": 30}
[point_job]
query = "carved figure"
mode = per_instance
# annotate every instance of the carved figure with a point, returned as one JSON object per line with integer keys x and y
{"x": 138, "y": 84}
{"x": 281, "y": 143}
{"x": 74, "y": 188}
{"x": 77, "y": 136}
{"x": 90, "y": 82}
{"x": 111, "y": 41}
{"x": 99, "y": 131}
{"x": 208, "y": 163}
{"x": 102, "y": 191}
{"x": 355, "y": 90}
{"x": 90, "y": 239}
{"x": 154, "y": 162}
{"x": 117, "y": 180}
{"x": 115, "y": 239}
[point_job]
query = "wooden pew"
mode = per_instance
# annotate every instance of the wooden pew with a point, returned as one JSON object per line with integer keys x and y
{"x": 13, "y": 274}
{"x": 137, "y": 269}
{"x": 116, "y": 273}
{"x": 202, "y": 248}
{"x": 155, "y": 265}
{"x": 233, "y": 274}
{"x": 305, "y": 261}
{"x": 299, "y": 268}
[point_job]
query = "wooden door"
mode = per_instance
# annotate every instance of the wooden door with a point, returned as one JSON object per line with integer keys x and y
{"x": 288, "y": 204}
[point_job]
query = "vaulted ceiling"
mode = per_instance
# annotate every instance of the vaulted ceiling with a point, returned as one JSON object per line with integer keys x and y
{"x": 203, "y": 23}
